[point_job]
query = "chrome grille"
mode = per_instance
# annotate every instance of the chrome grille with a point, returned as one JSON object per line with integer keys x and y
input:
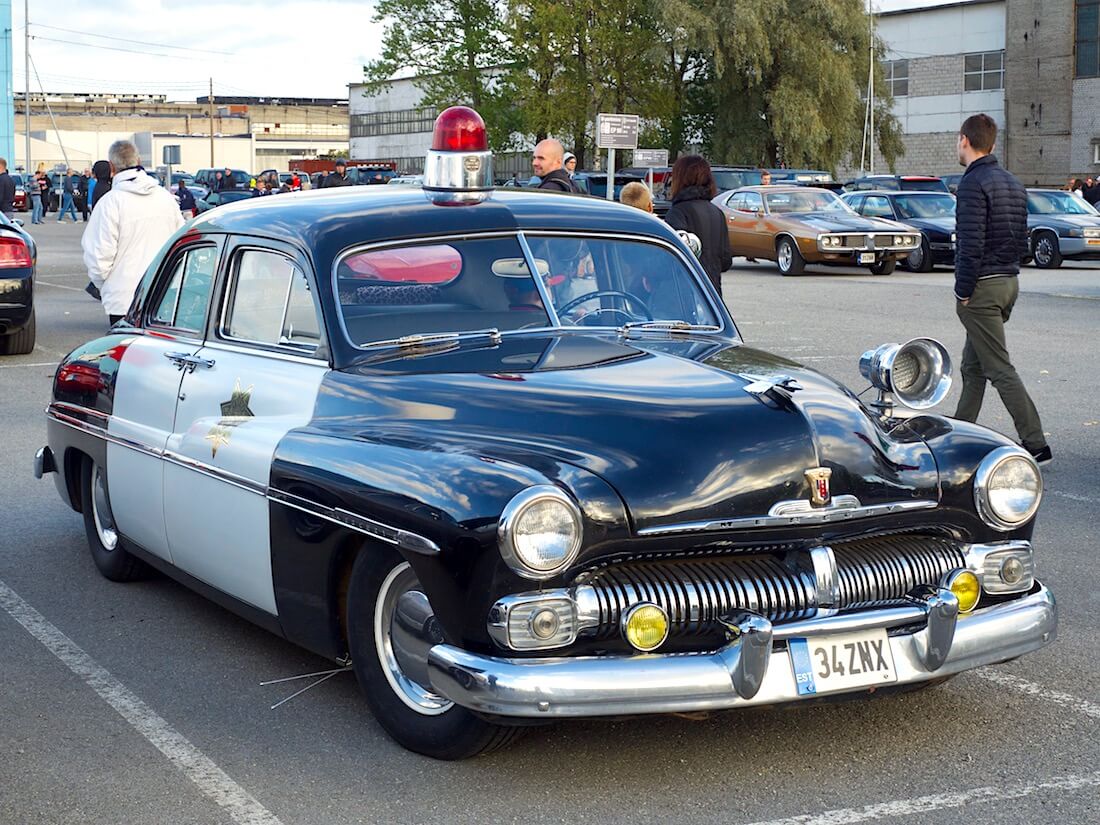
{"x": 696, "y": 592}
{"x": 878, "y": 570}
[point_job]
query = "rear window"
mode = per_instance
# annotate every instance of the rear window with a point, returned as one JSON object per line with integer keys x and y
{"x": 923, "y": 185}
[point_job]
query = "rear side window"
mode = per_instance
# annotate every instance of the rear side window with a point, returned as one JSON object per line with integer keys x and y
{"x": 186, "y": 295}
{"x": 271, "y": 303}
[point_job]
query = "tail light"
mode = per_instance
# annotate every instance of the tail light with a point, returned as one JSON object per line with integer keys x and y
{"x": 14, "y": 254}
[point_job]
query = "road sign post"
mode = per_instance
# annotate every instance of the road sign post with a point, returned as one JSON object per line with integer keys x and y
{"x": 615, "y": 131}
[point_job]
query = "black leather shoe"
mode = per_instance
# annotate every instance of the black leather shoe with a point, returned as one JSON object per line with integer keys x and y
{"x": 1042, "y": 456}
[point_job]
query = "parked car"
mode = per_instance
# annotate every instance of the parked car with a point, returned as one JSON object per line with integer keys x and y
{"x": 207, "y": 178}
{"x": 952, "y": 182}
{"x": 197, "y": 189}
{"x": 810, "y": 177}
{"x": 1061, "y": 226}
{"x": 408, "y": 180}
{"x": 515, "y": 464}
{"x": 933, "y": 213}
{"x": 18, "y": 258}
{"x": 595, "y": 183}
{"x": 370, "y": 175}
{"x": 734, "y": 177}
{"x": 905, "y": 183}
{"x": 214, "y": 199}
{"x": 21, "y": 203}
{"x": 798, "y": 225}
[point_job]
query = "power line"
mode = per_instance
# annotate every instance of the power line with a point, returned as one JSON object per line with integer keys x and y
{"x": 125, "y": 40}
{"x": 111, "y": 48}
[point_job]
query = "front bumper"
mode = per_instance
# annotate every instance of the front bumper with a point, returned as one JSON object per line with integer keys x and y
{"x": 1079, "y": 248}
{"x": 752, "y": 670}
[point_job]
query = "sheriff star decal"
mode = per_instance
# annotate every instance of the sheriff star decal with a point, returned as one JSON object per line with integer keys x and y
{"x": 235, "y": 412}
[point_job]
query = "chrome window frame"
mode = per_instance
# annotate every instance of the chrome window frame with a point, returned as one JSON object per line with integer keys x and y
{"x": 694, "y": 267}
{"x": 148, "y": 322}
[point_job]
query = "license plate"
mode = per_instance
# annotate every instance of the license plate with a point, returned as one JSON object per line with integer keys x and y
{"x": 823, "y": 664}
{"x": 866, "y": 257}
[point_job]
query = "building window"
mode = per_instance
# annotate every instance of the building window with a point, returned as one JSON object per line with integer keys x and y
{"x": 1088, "y": 38}
{"x": 984, "y": 71}
{"x": 401, "y": 122}
{"x": 897, "y": 76}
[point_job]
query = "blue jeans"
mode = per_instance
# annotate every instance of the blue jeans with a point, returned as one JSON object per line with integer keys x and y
{"x": 67, "y": 206}
{"x": 36, "y": 209}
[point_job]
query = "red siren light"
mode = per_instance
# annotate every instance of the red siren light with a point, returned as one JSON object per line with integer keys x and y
{"x": 459, "y": 129}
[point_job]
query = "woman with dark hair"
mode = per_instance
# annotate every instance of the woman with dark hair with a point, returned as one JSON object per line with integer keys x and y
{"x": 100, "y": 184}
{"x": 692, "y": 189}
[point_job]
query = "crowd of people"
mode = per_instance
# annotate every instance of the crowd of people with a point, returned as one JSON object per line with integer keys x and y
{"x": 1087, "y": 189}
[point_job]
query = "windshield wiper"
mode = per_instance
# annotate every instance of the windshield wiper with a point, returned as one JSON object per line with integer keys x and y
{"x": 429, "y": 339}
{"x": 672, "y": 327}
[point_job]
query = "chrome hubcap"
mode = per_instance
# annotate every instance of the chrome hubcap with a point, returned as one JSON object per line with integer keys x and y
{"x": 1043, "y": 250}
{"x": 785, "y": 256}
{"x": 405, "y": 629}
{"x": 101, "y": 512}
{"x": 916, "y": 257}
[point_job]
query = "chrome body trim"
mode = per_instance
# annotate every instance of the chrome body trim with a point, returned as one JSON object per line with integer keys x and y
{"x": 345, "y": 518}
{"x": 826, "y": 578}
{"x": 796, "y": 512}
{"x": 984, "y": 473}
{"x": 278, "y": 355}
{"x": 395, "y": 536}
{"x": 44, "y": 462}
{"x": 586, "y": 686}
{"x": 980, "y": 558}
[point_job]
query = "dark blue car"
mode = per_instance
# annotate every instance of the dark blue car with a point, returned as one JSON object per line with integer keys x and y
{"x": 933, "y": 213}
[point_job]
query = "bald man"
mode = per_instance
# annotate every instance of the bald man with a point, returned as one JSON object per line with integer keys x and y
{"x": 547, "y": 163}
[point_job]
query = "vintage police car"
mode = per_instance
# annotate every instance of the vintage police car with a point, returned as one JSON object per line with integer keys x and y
{"x": 506, "y": 453}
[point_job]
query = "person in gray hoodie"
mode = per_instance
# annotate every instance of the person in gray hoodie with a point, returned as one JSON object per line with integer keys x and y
{"x": 128, "y": 226}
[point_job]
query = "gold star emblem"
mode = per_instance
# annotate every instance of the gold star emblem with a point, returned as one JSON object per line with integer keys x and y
{"x": 237, "y": 405}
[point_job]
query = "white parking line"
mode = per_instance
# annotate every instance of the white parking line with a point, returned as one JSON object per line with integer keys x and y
{"x": 1032, "y": 689}
{"x": 211, "y": 780}
{"x": 42, "y": 364}
{"x": 59, "y": 286}
{"x": 1073, "y": 496}
{"x": 924, "y": 804}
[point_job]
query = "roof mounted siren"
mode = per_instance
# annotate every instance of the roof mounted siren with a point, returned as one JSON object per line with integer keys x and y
{"x": 459, "y": 166}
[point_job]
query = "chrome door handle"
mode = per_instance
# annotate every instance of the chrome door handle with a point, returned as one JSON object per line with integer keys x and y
{"x": 187, "y": 361}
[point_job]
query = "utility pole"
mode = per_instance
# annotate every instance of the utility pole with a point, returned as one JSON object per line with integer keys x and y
{"x": 210, "y": 111}
{"x": 28, "y": 170}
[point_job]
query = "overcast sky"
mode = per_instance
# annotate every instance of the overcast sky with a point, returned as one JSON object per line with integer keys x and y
{"x": 270, "y": 48}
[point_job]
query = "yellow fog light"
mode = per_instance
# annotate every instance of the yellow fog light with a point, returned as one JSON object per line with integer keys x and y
{"x": 966, "y": 587}
{"x": 645, "y": 626}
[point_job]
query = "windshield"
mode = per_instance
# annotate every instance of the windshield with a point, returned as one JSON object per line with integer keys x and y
{"x": 1058, "y": 203}
{"x": 728, "y": 179}
{"x": 810, "y": 200}
{"x": 476, "y": 284}
{"x": 925, "y": 206}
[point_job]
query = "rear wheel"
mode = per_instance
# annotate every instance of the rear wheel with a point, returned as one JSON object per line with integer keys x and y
{"x": 391, "y": 628}
{"x": 920, "y": 259}
{"x": 110, "y": 558}
{"x": 21, "y": 342}
{"x": 884, "y": 267}
{"x": 1045, "y": 251}
{"x": 789, "y": 258}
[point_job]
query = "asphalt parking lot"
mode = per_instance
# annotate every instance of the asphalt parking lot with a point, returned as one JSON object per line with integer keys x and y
{"x": 143, "y": 703}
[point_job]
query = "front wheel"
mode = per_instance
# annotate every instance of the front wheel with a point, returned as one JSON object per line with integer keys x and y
{"x": 789, "y": 258}
{"x": 1045, "y": 251}
{"x": 391, "y": 628}
{"x": 110, "y": 558}
{"x": 920, "y": 259}
{"x": 884, "y": 267}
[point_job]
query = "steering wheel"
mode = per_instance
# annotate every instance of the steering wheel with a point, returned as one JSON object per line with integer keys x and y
{"x": 610, "y": 293}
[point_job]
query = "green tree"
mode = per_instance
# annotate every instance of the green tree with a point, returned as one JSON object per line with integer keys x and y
{"x": 458, "y": 52}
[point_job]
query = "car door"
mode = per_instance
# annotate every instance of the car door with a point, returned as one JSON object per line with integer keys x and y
{"x": 757, "y": 240}
{"x": 260, "y": 372}
{"x": 148, "y": 383}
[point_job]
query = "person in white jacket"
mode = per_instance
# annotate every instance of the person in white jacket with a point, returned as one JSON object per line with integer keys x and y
{"x": 127, "y": 227}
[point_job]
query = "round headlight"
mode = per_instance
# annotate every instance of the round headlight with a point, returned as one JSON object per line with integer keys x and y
{"x": 918, "y": 372}
{"x": 1007, "y": 488}
{"x": 540, "y": 532}
{"x": 899, "y": 240}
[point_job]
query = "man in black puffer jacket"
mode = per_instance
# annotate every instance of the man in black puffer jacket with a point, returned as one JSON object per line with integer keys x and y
{"x": 991, "y": 229}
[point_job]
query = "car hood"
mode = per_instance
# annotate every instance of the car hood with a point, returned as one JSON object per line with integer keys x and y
{"x": 839, "y": 222}
{"x": 669, "y": 424}
{"x": 943, "y": 226}
{"x": 1064, "y": 220}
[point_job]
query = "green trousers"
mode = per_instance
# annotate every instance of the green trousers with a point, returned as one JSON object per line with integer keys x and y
{"x": 985, "y": 358}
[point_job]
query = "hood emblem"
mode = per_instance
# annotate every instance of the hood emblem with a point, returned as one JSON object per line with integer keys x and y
{"x": 818, "y": 477}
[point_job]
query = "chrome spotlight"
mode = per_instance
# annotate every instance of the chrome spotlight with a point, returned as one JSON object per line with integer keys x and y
{"x": 917, "y": 373}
